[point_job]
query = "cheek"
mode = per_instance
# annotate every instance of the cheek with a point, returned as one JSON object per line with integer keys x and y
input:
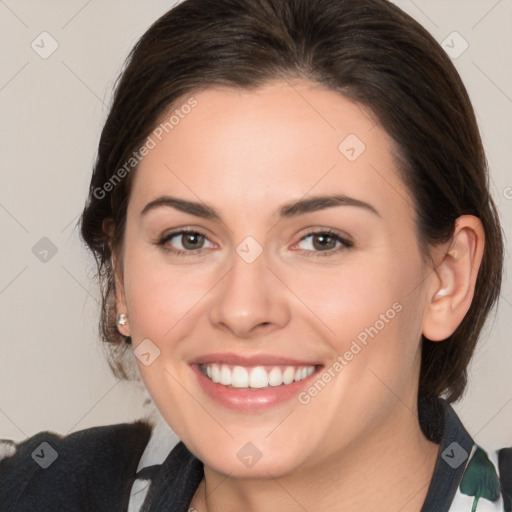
{"x": 357, "y": 294}
{"x": 370, "y": 313}
{"x": 159, "y": 295}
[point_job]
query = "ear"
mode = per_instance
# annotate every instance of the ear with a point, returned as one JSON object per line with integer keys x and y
{"x": 454, "y": 278}
{"x": 120, "y": 298}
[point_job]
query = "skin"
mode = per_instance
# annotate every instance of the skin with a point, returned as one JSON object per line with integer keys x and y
{"x": 246, "y": 153}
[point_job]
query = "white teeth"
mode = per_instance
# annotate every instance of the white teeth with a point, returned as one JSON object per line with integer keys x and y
{"x": 225, "y": 375}
{"x": 275, "y": 377}
{"x": 256, "y": 377}
{"x": 240, "y": 377}
{"x": 288, "y": 375}
{"x": 215, "y": 373}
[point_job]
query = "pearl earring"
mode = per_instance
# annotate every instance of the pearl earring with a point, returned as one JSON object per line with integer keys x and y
{"x": 122, "y": 319}
{"x": 441, "y": 293}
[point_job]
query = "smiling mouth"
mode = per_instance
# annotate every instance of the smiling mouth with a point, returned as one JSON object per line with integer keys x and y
{"x": 255, "y": 377}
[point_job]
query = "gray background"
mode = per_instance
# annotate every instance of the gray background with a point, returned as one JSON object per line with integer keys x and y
{"x": 52, "y": 371}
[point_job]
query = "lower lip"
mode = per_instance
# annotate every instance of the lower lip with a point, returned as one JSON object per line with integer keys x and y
{"x": 250, "y": 399}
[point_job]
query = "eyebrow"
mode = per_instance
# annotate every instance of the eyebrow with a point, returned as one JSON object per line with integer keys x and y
{"x": 288, "y": 210}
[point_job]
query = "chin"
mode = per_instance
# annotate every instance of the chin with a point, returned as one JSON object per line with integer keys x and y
{"x": 246, "y": 459}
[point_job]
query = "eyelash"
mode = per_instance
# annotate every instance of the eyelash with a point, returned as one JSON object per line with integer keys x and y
{"x": 345, "y": 243}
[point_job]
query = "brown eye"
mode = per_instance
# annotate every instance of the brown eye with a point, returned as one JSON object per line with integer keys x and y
{"x": 184, "y": 242}
{"x": 192, "y": 240}
{"x": 324, "y": 243}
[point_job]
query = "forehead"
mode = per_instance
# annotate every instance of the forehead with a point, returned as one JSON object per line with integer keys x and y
{"x": 279, "y": 141}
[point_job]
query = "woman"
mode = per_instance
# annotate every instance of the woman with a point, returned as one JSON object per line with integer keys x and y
{"x": 295, "y": 239}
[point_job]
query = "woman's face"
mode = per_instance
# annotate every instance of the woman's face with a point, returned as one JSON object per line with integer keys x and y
{"x": 302, "y": 283}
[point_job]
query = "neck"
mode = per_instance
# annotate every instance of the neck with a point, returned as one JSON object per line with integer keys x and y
{"x": 389, "y": 470}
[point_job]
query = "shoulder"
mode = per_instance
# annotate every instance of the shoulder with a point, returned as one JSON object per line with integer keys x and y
{"x": 486, "y": 481}
{"x": 466, "y": 476}
{"x": 91, "y": 469}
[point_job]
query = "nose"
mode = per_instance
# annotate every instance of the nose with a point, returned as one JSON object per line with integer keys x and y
{"x": 250, "y": 299}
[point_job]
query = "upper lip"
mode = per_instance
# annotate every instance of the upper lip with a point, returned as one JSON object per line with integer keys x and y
{"x": 250, "y": 360}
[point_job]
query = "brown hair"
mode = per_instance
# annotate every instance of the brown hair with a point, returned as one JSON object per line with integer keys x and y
{"x": 367, "y": 50}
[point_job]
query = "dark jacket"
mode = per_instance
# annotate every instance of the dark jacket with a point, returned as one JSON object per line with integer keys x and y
{"x": 95, "y": 469}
